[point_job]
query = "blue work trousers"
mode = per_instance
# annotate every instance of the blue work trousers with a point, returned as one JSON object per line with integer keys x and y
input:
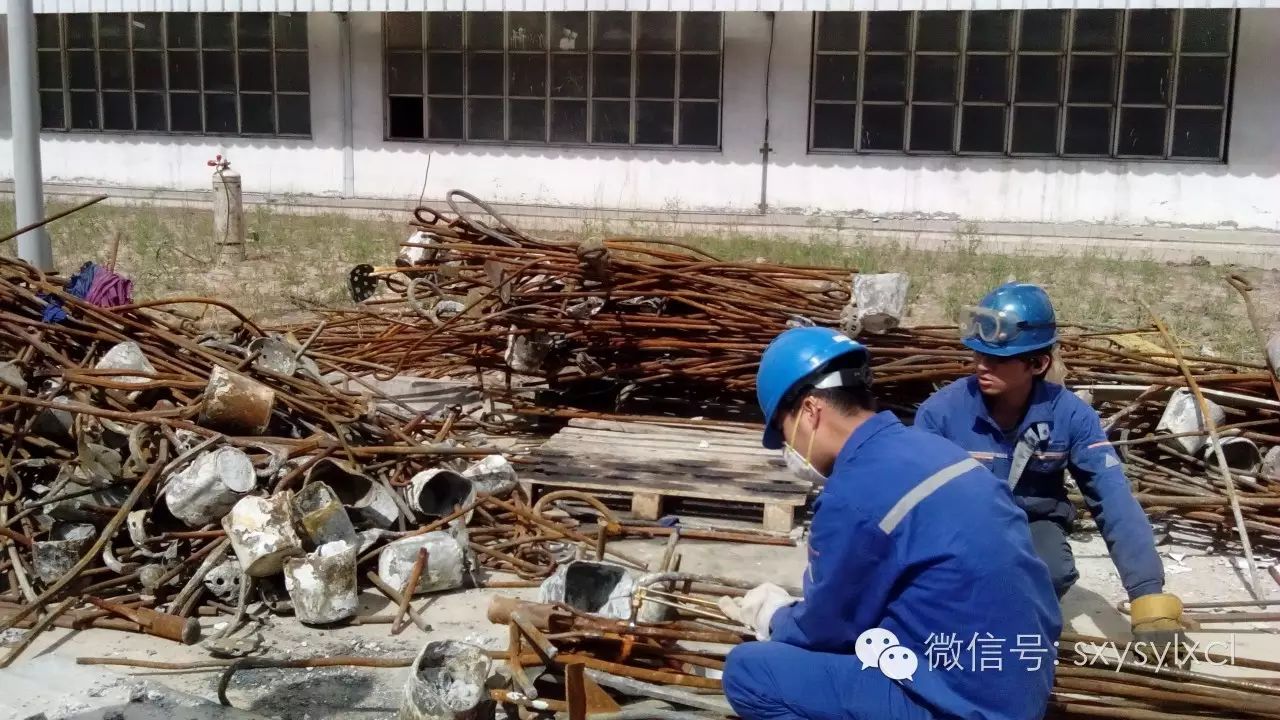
{"x": 776, "y": 681}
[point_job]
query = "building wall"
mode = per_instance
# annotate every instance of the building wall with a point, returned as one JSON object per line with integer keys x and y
{"x": 1241, "y": 192}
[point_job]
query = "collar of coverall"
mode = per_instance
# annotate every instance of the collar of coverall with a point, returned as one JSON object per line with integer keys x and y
{"x": 864, "y": 432}
{"x": 1040, "y": 409}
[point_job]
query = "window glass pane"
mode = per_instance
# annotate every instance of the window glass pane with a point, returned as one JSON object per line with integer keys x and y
{"x": 444, "y": 31}
{"x": 990, "y": 29}
{"x": 611, "y": 76}
{"x": 484, "y": 31}
{"x": 833, "y": 127}
{"x": 1035, "y": 130}
{"x": 882, "y": 127}
{"x": 839, "y": 30}
{"x": 148, "y": 70}
{"x": 147, "y": 29}
{"x": 1202, "y": 81}
{"x": 180, "y": 30}
{"x": 219, "y": 71}
{"x": 485, "y": 120}
{"x": 885, "y": 78}
{"x": 986, "y": 78}
{"x": 613, "y": 31}
{"x": 47, "y": 30}
{"x": 255, "y": 114}
{"x": 444, "y": 74}
{"x": 115, "y": 69}
{"x": 982, "y": 129}
{"x": 1197, "y": 133}
{"x": 52, "y": 114}
{"x": 656, "y": 31}
{"x": 255, "y": 70}
{"x": 528, "y": 75}
{"x": 1039, "y": 78}
{"x": 700, "y": 124}
{"x": 215, "y": 30}
{"x": 1142, "y": 132}
{"x": 80, "y": 30}
{"x": 484, "y": 74}
{"x": 117, "y": 111}
{"x": 1042, "y": 30}
{"x": 700, "y": 31}
{"x": 1206, "y": 31}
{"x": 655, "y": 123}
{"x": 404, "y": 118}
{"x": 569, "y": 75}
{"x": 888, "y": 30}
{"x": 835, "y": 77}
{"x": 1150, "y": 30}
{"x": 84, "y": 111}
{"x": 83, "y": 72}
{"x": 113, "y": 32}
{"x": 404, "y": 73}
{"x": 1096, "y": 30}
{"x": 700, "y": 76}
{"x": 184, "y": 71}
{"x": 220, "y": 113}
{"x": 444, "y": 119}
{"x": 295, "y": 114}
{"x": 938, "y": 30}
{"x": 610, "y": 122}
{"x": 932, "y": 127}
{"x": 656, "y": 76}
{"x": 292, "y": 74}
{"x": 1146, "y": 79}
{"x": 569, "y": 32}
{"x": 1092, "y": 79}
{"x": 1088, "y": 131}
{"x": 149, "y": 111}
{"x": 254, "y": 31}
{"x": 50, "y": 68}
{"x": 528, "y": 120}
{"x": 403, "y": 30}
{"x": 291, "y": 34}
{"x": 527, "y": 31}
{"x": 568, "y": 121}
{"x": 184, "y": 112}
{"x": 935, "y": 78}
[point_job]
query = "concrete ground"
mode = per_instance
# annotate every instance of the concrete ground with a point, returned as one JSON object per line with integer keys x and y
{"x": 46, "y": 680}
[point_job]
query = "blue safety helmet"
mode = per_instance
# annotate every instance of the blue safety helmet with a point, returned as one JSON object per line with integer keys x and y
{"x": 796, "y": 360}
{"x": 1013, "y": 319}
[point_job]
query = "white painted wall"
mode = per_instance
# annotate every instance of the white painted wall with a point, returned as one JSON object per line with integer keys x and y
{"x": 1242, "y": 192}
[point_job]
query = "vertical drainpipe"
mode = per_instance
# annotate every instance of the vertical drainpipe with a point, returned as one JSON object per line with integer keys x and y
{"x": 348, "y": 129}
{"x": 24, "y": 109}
{"x": 765, "y": 148}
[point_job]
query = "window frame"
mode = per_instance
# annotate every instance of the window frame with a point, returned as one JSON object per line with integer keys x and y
{"x": 1015, "y": 54}
{"x": 274, "y": 49}
{"x": 589, "y": 97}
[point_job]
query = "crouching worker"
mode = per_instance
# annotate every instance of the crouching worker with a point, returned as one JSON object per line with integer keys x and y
{"x": 923, "y": 597}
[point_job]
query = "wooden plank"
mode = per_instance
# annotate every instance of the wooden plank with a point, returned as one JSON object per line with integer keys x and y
{"x": 654, "y": 431}
{"x": 646, "y": 506}
{"x": 652, "y": 426}
{"x": 670, "y": 488}
{"x": 638, "y": 476}
{"x": 638, "y": 440}
{"x": 646, "y": 449}
{"x": 779, "y": 518}
{"x": 678, "y": 465}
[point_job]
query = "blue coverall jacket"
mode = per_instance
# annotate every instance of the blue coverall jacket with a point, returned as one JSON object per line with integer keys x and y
{"x": 913, "y": 536}
{"x": 1059, "y": 433}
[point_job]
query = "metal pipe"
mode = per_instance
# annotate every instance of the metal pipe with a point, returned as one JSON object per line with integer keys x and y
{"x": 24, "y": 110}
{"x": 346, "y": 91}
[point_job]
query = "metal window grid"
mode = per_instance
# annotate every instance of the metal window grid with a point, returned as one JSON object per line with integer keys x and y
{"x": 1015, "y": 55}
{"x": 589, "y": 99}
{"x": 162, "y": 48}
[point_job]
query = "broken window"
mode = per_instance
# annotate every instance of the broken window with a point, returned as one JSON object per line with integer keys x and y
{"x": 209, "y": 73}
{"x": 601, "y": 78}
{"x": 1149, "y": 84}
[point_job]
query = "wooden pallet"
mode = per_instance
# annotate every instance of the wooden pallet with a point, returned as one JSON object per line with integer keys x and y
{"x": 653, "y": 462}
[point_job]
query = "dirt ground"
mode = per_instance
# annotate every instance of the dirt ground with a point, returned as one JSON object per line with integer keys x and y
{"x": 315, "y": 694}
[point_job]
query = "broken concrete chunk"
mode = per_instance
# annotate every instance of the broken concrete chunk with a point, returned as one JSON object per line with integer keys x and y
{"x": 447, "y": 554}
{"x": 494, "y": 475}
{"x": 880, "y": 300}
{"x": 1181, "y": 416}
{"x": 261, "y": 533}
{"x": 207, "y": 488}
{"x": 447, "y": 682}
{"x": 127, "y": 356}
{"x": 67, "y": 543}
{"x": 322, "y": 585}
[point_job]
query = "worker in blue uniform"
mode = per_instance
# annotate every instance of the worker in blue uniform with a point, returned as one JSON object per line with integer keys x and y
{"x": 1029, "y": 432}
{"x": 921, "y": 586}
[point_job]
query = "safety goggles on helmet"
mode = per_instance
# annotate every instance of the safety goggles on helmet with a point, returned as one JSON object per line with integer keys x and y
{"x": 995, "y": 327}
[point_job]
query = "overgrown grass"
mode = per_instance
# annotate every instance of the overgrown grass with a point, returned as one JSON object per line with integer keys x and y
{"x": 299, "y": 260}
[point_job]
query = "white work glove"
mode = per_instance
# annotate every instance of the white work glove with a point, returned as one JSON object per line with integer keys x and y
{"x": 756, "y": 608}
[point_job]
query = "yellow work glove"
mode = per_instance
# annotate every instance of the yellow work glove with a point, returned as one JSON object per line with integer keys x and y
{"x": 1157, "y": 620}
